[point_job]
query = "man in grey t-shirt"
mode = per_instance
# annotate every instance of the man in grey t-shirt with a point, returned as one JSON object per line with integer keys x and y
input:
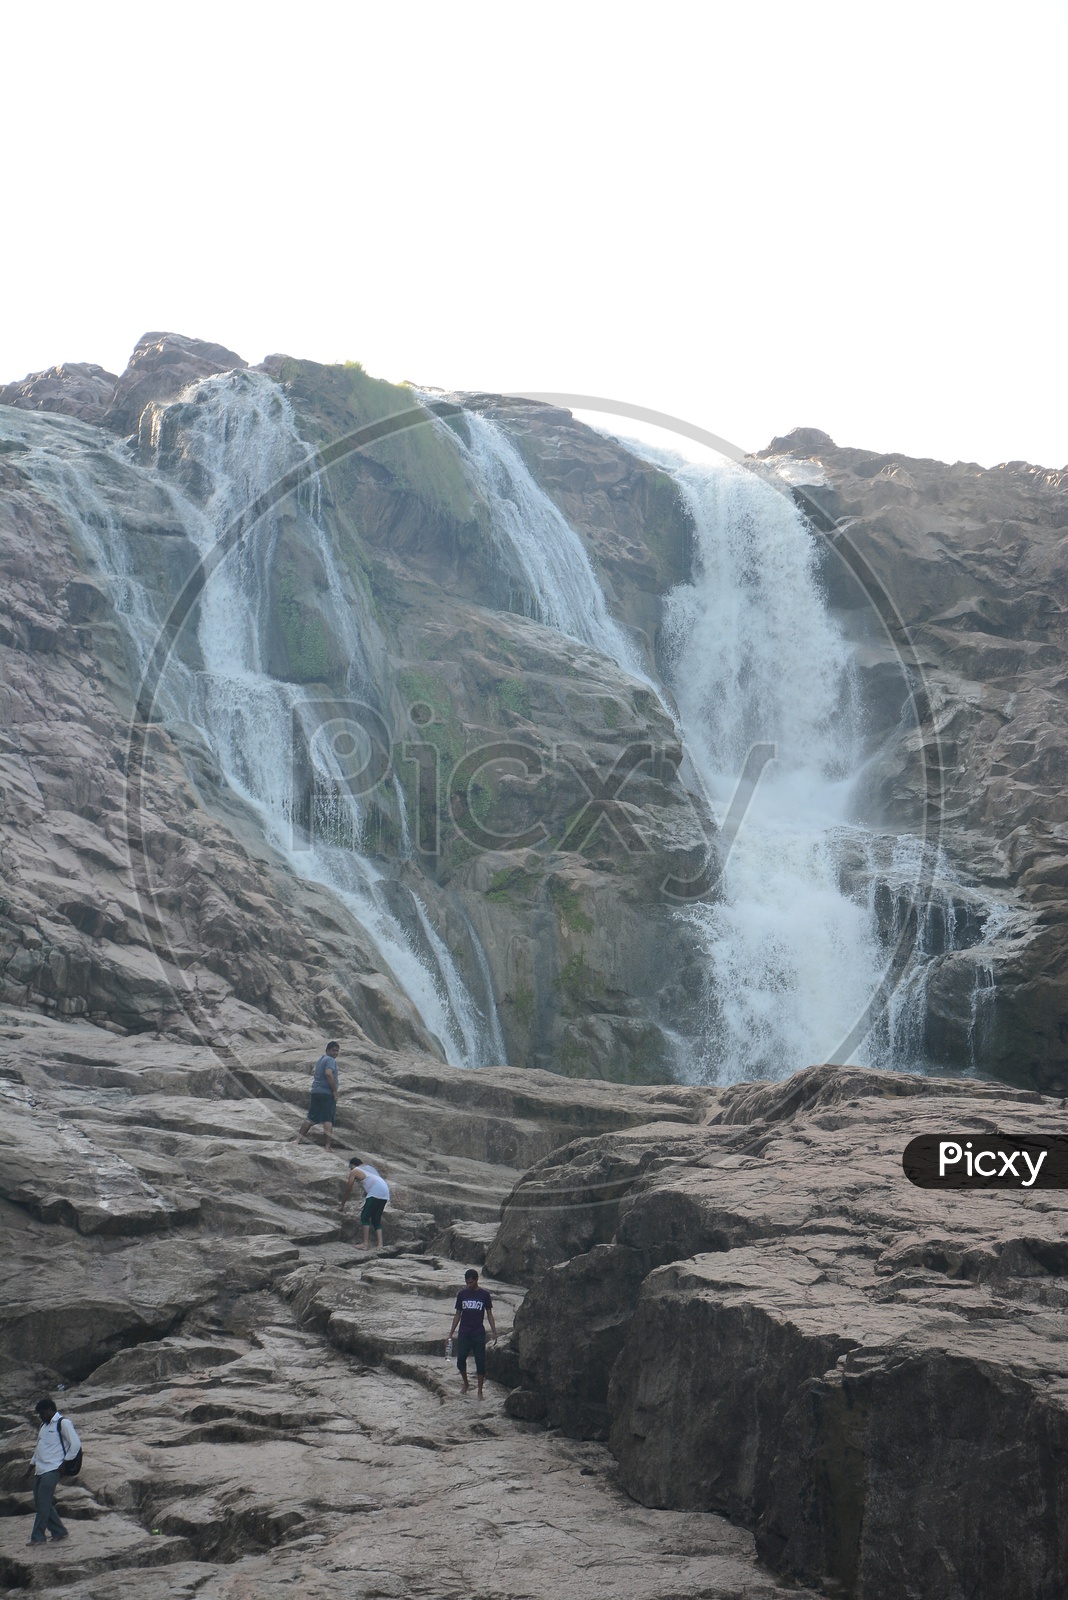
{"x": 322, "y": 1104}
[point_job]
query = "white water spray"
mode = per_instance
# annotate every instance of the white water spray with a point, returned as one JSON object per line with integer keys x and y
{"x": 754, "y": 657}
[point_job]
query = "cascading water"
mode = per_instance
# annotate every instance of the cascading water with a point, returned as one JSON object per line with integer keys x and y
{"x": 754, "y": 657}
{"x": 546, "y": 559}
{"x": 244, "y": 437}
{"x": 793, "y": 957}
{"x": 237, "y": 438}
{"x": 794, "y": 960}
{"x": 949, "y": 918}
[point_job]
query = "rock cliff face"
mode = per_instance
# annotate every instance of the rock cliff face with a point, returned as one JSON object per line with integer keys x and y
{"x": 185, "y": 912}
{"x": 183, "y": 917}
{"x": 975, "y": 564}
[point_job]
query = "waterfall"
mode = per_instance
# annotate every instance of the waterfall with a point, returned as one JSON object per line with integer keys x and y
{"x": 795, "y": 942}
{"x": 536, "y": 545}
{"x": 793, "y": 956}
{"x": 950, "y": 918}
{"x": 792, "y": 961}
{"x": 224, "y": 443}
{"x": 796, "y": 952}
{"x": 244, "y": 437}
{"x": 87, "y": 485}
{"x": 753, "y": 657}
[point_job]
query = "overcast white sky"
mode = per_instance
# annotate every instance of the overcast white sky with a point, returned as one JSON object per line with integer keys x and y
{"x": 753, "y": 217}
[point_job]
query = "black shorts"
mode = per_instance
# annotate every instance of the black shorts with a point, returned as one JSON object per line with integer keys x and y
{"x": 371, "y": 1215}
{"x": 471, "y": 1344}
{"x": 321, "y": 1107}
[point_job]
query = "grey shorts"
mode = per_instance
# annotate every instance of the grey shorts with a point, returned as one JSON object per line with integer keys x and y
{"x": 321, "y": 1107}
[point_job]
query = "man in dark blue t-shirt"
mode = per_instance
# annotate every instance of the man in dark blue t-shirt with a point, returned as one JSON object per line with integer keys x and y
{"x": 472, "y": 1306}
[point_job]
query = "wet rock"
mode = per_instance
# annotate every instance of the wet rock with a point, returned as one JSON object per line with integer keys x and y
{"x": 59, "y": 1175}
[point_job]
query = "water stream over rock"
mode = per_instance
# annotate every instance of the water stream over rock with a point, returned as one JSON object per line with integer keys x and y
{"x": 449, "y": 580}
{"x": 794, "y": 954}
{"x": 213, "y": 453}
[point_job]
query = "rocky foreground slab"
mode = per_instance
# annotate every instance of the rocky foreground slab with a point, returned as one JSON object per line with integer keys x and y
{"x": 739, "y": 1350}
{"x": 265, "y": 1409}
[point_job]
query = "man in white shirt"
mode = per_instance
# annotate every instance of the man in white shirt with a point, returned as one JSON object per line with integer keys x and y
{"x": 57, "y": 1442}
{"x": 376, "y": 1198}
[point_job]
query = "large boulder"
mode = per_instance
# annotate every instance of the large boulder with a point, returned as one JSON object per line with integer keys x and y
{"x": 162, "y": 365}
{"x": 768, "y": 1320}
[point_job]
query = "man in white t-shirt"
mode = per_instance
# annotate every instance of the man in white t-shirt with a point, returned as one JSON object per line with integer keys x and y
{"x": 57, "y": 1442}
{"x": 376, "y": 1198}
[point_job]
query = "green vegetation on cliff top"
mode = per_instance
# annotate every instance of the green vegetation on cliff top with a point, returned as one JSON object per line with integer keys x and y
{"x": 336, "y": 401}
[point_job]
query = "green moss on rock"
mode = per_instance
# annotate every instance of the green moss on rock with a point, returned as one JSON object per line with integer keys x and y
{"x": 340, "y": 400}
{"x": 302, "y": 647}
{"x": 523, "y": 1006}
{"x": 578, "y": 980}
{"x": 512, "y": 694}
{"x": 512, "y": 886}
{"x": 569, "y": 907}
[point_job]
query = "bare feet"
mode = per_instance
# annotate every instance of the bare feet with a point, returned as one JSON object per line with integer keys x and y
{"x": 466, "y": 1387}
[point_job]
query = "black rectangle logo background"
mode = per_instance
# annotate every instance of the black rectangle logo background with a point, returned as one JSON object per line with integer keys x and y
{"x": 921, "y": 1160}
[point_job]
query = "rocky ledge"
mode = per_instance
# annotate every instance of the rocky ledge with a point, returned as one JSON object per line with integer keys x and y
{"x": 738, "y": 1347}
